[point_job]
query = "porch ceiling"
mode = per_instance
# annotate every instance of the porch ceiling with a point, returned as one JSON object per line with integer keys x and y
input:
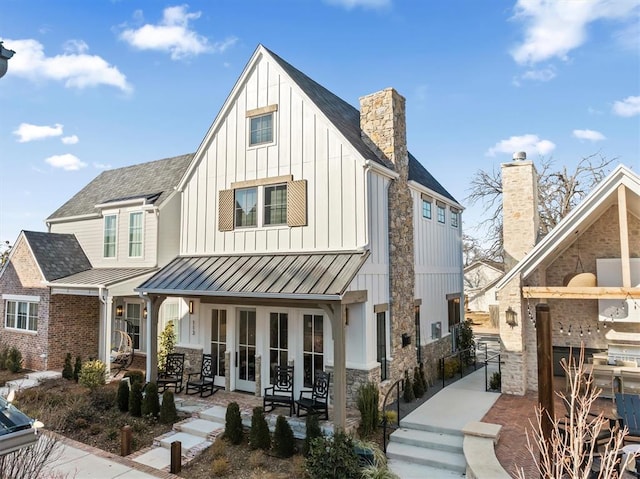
{"x": 319, "y": 276}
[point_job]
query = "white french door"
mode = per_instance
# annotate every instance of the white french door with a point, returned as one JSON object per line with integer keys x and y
{"x": 245, "y": 361}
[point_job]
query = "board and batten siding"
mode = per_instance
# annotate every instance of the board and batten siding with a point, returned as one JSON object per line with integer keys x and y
{"x": 306, "y": 146}
{"x": 90, "y": 235}
{"x": 438, "y": 265}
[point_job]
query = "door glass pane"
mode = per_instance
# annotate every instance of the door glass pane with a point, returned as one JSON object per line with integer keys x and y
{"x": 308, "y": 327}
{"x": 218, "y": 340}
{"x": 243, "y": 362}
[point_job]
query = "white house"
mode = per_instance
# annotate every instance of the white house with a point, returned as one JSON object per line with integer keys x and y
{"x": 309, "y": 235}
{"x": 480, "y": 279}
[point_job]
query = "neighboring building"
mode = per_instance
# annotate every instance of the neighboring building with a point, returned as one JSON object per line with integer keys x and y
{"x": 480, "y": 279}
{"x": 598, "y": 241}
{"x": 77, "y": 280}
{"x": 311, "y": 236}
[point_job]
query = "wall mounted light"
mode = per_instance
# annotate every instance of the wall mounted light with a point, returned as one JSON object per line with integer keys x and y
{"x": 511, "y": 316}
{"x": 119, "y": 310}
{"x": 190, "y": 307}
{"x": 144, "y": 313}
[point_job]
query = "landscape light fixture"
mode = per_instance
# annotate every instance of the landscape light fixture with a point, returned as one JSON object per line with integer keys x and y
{"x": 5, "y": 54}
{"x": 511, "y": 316}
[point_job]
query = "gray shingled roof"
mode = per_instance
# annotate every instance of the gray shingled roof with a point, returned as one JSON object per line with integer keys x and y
{"x": 58, "y": 255}
{"x": 283, "y": 275}
{"x": 347, "y": 119}
{"x": 154, "y": 181}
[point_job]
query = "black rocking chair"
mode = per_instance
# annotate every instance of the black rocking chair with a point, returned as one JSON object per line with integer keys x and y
{"x": 203, "y": 381}
{"x": 172, "y": 374}
{"x": 281, "y": 392}
{"x": 316, "y": 400}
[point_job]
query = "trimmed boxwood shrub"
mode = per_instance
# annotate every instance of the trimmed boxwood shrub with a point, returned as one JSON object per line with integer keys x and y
{"x": 151, "y": 401}
{"x": 233, "y": 424}
{"x": 259, "y": 437}
{"x": 168, "y": 412}
{"x": 92, "y": 374}
{"x": 333, "y": 457}
{"x": 283, "y": 440}
{"x": 135, "y": 399}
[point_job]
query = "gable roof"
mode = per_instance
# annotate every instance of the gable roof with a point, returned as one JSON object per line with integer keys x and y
{"x": 57, "y": 254}
{"x": 344, "y": 117}
{"x": 596, "y": 203}
{"x": 499, "y": 267}
{"x": 154, "y": 182}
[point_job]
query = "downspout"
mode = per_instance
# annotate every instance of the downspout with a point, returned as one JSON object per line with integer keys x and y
{"x": 367, "y": 169}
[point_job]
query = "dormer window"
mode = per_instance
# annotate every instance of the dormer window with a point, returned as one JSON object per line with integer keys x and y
{"x": 261, "y": 125}
{"x": 135, "y": 234}
{"x": 454, "y": 217}
{"x": 441, "y": 212}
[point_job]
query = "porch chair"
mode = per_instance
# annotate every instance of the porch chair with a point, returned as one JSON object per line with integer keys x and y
{"x": 172, "y": 374}
{"x": 604, "y": 379}
{"x": 281, "y": 392}
{"x": 317, "y": 399}
{"x": 121, "y": 355}
{"x": 203, "y": 381}
{"x": 628, "y": 409}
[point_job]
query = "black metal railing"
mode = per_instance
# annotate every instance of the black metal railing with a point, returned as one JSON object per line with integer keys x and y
{"x": 466, "y": 358}
{"x": 394, "y": 387}
{"x": 493, "y": 359}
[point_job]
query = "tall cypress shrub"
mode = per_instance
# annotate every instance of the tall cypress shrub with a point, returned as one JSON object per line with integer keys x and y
{"x": 67, "y": 369}
{"x": 151, "y": 401}
{"x": 408, "y": 394}
{"x": 233, "y": 424}
{"x": 283, "y": 440}
{"x": 135, "y": 400}
{"x": 168, "y": 411}
{"x": 123, "y": 396}
{"x": 259, "y": 437}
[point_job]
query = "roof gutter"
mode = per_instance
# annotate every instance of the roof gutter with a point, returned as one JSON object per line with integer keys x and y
{"x": 383, "y": 170}
{"x": 238, "y": 294}
{"x": 437, "y": 196}
{"x": 72, "y": 218}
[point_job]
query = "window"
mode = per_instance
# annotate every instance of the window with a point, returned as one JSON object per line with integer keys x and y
{"x": 275, "y": 205}
{"x": 170, "y": 315}
{"x": 416, "y": 312}
{"x": 135, "y": 235}
{"x": 440, "y": 214}
{"x": 436, "y": 330}
{"x": 261, "y": 129}
{"x": 218, "y": 340}
{"x": 454, "y": 218}
{"x": 426, "y": 209}
{"x": 381, "y": 344}
{"x": 110, "y": 226}
{"x": 313, "y": 347}
{"x": 246, "y": 207}
{"x": 133, "y": 316}
{"x": 278, "y": 342}
{"x": 21, "y": 315}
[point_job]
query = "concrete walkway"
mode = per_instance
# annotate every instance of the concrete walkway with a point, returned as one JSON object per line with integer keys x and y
{"x": 449, "y": 409}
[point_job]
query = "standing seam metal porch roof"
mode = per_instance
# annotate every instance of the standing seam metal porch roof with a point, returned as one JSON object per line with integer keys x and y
{"x": 282, "y": 276}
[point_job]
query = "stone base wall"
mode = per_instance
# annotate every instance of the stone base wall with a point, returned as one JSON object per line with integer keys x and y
{"x": 192, "y": 358}
{"x": 431, "y": 354}
{"x": 355, "y": 379}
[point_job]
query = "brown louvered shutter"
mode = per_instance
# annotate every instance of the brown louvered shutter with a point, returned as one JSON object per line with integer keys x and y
{"x": 297, "y": 203}
{"x": 225, "y": 210}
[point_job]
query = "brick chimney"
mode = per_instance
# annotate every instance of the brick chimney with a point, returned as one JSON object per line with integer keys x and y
{"x": 384, "y": 130}
{"x": 521, "y": 221}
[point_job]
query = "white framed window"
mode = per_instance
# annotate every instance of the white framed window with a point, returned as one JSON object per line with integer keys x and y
{"x": 426, "y": 209}
{"x": 21, "y": 315}
{"x": 275, "y": 205}
{"x": 135, "y": 234}
{"x": 170, "y": 314}
{"x": 246, "y": 207}
{"x": 278, "y": 342}
{"x": 312, "y": 347}
{"x": 133, "y": 319}
{"x": 454, "y": 217}
{"x": 110, "y": 232}
{"x": 441, "y": 214}
{"x": 261, "y": 129}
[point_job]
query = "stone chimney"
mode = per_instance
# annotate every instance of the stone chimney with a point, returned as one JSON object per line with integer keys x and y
{"x": 384, "y": 130}
{"x": 521, "y": 221}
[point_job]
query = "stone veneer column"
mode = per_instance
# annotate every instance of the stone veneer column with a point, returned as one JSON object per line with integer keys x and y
{"x": 383, "y": 124}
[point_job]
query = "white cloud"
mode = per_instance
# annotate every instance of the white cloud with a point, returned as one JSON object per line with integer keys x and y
{"x": 70, "y": 140}
{"x": 173, "y": 34}
{"x": 27, "y": 132}
{"x": 545, "y": 74}
{"x": 74, "y": 67}
{"x": 67, "y": 162}
{"x": 529, "y": 143}
{"x": 590, "y": 135}
{"x": 101, "y": 166}
{"x": 351, "y": 4}
{"x": 555, "y": 27}
{"x": 630, "y": 106}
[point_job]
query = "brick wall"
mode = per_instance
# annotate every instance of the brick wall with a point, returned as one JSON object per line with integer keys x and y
{"x": 73, "y": 328}
{"x": 22, "y": 277}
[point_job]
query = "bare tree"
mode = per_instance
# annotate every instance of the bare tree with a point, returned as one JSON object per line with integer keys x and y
{"x": 34, "y": 461}
{"x": 559, "y": 191}
{"x": 5, "y": 249}
{"x": 570, "y": 451}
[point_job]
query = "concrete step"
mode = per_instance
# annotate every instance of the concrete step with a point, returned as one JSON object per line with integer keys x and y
{"x": 200, "y": 427}
{"x": 405, "y": 424}
{"x": 429, "y": 457}
{"x": 190, "y": 444}
{"x": 158, "y": 458}
{"x": 20, "y": 384}
{"x": 428, "y": 439}
{"x": 408, "y": 470}
{"x": 214, "y": 414}
{"x": 44, "y": 375}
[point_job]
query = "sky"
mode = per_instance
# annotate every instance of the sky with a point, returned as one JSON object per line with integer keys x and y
{"x": 104, "y": 84}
